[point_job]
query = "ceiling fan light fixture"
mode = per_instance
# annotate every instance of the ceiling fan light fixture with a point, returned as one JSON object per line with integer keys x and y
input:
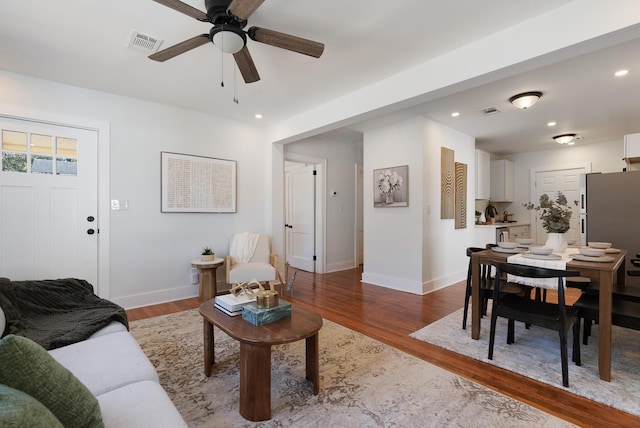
{"x": 564, "y": 138}
{"x": 525, "y": 100}
{"x": 228, "y": 38}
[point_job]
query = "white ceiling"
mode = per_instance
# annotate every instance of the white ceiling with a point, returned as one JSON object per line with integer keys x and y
{"x": 82, "y": 43}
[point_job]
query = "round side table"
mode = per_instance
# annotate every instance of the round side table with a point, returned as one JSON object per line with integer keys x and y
{"x": 207, "y": 275}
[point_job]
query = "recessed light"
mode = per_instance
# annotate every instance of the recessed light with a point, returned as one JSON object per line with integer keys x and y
{"x": 551, "y": 124}
{"x": 258, "y": 116}
{"x": 621, "y": 73}
{"x": 455, "y": 114}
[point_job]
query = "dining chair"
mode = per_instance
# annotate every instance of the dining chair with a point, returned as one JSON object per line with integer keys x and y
{"x": 554, "y": 316}
{"x": 624, "y": 312}
{"x": 486, "y": 286}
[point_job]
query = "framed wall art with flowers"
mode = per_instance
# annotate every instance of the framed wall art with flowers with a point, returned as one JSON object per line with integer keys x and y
{"x": 391, "y": 187}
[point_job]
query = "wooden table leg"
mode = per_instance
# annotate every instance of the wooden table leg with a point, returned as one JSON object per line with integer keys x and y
{"x": 313, "y": 362}
{"x": 209, "y": 355}
{"x": 604, "y": 326}
{"x": 476, "y": 310}
{"x": 207, "y": 283}
{"x": 255, "y": 382}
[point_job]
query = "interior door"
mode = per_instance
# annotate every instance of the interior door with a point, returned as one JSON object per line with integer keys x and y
{"x": 48, "y": 201}
{"x": 551, "y": 182}
{"x": 301, "y": 217}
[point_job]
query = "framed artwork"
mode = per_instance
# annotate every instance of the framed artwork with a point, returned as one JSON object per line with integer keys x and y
{"x": 461, "y": 196}
{"x": 391, "y": 187}
{"x": 197, "y": 184}
{"x": 447, "y": 186}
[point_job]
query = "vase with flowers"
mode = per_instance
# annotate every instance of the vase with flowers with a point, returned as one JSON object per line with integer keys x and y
{"x": 388, "y": 181}
{"x": 555, "y": 215}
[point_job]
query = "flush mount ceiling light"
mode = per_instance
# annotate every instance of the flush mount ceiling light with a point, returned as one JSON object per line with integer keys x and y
{"x": 525, "y": 100}
{"x": 229, "y": 39}
{"x": 564, "y": 138}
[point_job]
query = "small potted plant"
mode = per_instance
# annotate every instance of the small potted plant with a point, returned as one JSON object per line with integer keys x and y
{"x": 478, "y": 214}
{"x": 490, "y": 212}
{"x": 207, "y": 254}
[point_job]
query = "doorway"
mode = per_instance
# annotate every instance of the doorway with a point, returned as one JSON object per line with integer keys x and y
{"x": 305, "y": 241}
{"x": 48, "y": 201}
{"x": 551, "y": 181}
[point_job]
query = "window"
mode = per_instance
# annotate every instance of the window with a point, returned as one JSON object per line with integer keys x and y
{"x": 39, "y": 154}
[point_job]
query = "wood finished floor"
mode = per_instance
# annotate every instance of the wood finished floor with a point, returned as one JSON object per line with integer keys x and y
{"x": 390, "y": 316}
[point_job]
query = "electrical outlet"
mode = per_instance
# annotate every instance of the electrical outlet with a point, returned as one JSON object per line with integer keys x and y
{"x": 194, "y": 278}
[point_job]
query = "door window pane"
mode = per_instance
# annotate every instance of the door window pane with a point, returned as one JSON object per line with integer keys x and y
{"x": 41, "y": 144}
{"x": 66, "y": 166}
{"x": 14, "y": 162}
{"x": 41, "y": 164}
{"x": 13, "y": 140}
{"x": 66, "y": 146}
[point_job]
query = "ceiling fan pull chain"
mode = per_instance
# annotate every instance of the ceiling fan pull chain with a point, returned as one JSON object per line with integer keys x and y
{"x": 222, "y": 61}
{"x": 235, "y": 86}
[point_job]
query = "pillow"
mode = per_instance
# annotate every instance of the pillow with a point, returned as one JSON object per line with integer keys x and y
{"x": 28, "y": 367}
{"x": 18, "y": 409}
{"x": 3, "y": 321}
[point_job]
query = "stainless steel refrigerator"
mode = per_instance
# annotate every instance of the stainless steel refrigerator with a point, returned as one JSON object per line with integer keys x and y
{"x": 610, "y": 212}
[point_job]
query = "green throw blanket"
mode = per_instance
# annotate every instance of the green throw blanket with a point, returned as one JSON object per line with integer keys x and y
{"x": 55, "y": 312}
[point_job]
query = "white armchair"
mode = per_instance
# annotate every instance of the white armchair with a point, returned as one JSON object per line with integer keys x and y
{"x": 250, "y": 258}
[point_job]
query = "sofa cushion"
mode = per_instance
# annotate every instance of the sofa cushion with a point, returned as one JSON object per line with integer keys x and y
{"x": 18, "y": 409}
{"x": 114, "y": 327}
{"x": 106, "y": 362}
{"x": 28, "y": 367}
{"x": 140, "y": 404}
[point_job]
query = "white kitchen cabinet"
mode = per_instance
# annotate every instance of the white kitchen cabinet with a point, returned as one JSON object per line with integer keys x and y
{"x": 483, "y": 175}
{"x": 502, "y": 181}
{"x": 632, "y": 147}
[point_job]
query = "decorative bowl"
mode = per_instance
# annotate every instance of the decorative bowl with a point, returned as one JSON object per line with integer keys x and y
{"x": 602, "y": 245}
{"x": 542, "y": 251}
{"x": 508, "y": 245}
{"x": 524, "y": 241}
{"x": 593, "y": 252}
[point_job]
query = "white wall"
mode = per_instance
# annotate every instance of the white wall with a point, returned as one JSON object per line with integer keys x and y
{"x": 412, "y": 249}
{"x": 341, "y": 157}
{"x": 444, "y": 247}
{"x": 149, "y": 250}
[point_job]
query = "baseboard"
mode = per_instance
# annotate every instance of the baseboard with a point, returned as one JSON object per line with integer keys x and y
{"x": 394, "y": 283}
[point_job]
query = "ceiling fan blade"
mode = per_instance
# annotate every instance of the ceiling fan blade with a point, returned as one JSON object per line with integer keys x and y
{"x": 180, "y": 48}
{"x": 246, "y": 65}
{"x": 286, "y": 41}
{"x": 184, "y": 8}
{"x": 243, "y": 8}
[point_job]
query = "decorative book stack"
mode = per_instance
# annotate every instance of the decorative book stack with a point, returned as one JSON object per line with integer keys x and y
{"x": 259, "y": 316}
{"x": 232, "y": 305}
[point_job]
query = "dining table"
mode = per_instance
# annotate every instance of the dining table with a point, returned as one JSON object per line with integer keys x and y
{"x": 605, "y": 273}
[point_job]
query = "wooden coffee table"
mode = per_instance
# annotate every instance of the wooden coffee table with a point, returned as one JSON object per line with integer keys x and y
{"x": 255, "y": 352}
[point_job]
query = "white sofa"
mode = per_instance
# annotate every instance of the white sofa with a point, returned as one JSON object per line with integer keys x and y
{"x": 111, "y": 364}
{"x": 115, "y": 370}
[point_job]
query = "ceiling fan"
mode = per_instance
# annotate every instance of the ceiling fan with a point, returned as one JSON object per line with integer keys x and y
{"x": 229, "y": 17}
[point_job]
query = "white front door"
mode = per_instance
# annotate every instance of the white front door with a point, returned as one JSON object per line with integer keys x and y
{"x": 551, "y": 182}
{"x": 300, "y": 217}
{"x": 48, "y": 201}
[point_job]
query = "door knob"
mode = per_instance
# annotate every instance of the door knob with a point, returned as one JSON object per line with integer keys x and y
{"x": 91, "y": 232}
{"x": 90, "y": 219}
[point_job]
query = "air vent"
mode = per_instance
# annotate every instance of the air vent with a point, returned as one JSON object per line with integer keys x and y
{"x": 143, "y": 42}
{"x": 489, "y": 111}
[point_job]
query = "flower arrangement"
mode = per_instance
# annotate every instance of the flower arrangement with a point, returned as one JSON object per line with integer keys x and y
{"x": 554, "y": 213}
{"x": 389, "y": 181}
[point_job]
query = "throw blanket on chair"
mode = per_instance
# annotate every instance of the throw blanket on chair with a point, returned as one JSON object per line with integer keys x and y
{"x": 55, "y": 312}
{"x": 243, "y": 246}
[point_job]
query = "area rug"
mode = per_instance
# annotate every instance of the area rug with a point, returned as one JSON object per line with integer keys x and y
{"x": 363, "y": 383}
{"x": 536, "y": 354}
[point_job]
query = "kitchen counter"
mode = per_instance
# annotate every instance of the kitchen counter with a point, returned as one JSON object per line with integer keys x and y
{"x": 511, "y": 224}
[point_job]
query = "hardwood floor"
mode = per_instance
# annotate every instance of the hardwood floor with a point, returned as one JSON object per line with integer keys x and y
{"x": 390, "y": 316}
